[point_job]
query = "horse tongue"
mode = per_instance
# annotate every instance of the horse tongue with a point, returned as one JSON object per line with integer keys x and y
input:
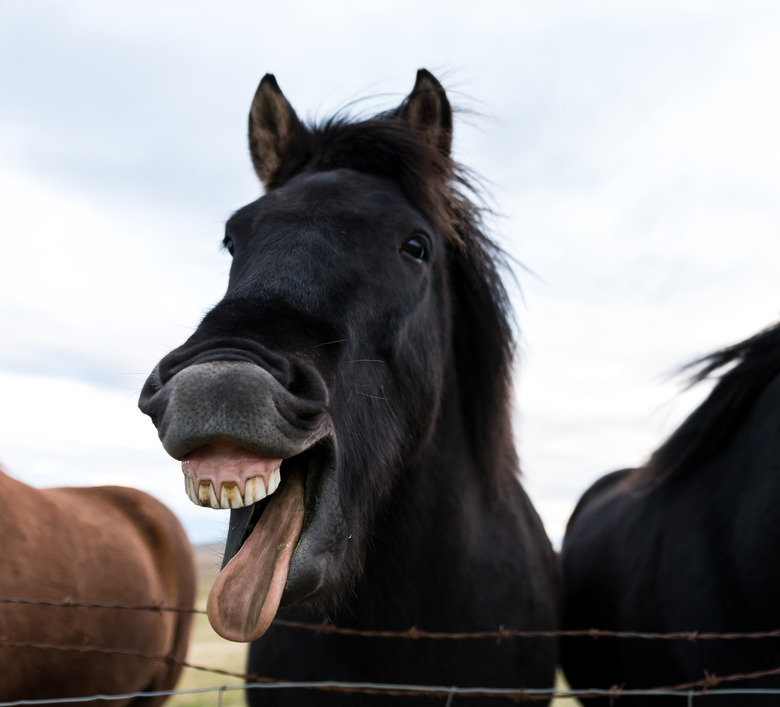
{"x": 246, "y": 594}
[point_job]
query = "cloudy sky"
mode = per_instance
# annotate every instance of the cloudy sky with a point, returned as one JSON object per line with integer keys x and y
{"x": 631, "y": 150}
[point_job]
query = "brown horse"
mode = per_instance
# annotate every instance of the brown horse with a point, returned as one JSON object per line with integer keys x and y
{"x": 103, "y": 545}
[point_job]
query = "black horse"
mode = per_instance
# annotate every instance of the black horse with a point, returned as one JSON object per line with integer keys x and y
{"x": 688, "y": 542}
{"x": 361, "y": 361}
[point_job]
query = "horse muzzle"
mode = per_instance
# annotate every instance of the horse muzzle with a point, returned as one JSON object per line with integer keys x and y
{"x": 251, "y": 444}
{"x": 237, "y": 402}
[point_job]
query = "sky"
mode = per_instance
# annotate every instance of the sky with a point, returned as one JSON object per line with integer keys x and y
{"x": 630, "y": 152}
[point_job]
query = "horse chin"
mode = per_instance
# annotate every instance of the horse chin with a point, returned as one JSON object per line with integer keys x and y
{"x": 279, "y": 551}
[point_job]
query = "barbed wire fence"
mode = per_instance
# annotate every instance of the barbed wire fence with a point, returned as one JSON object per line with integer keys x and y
{"x": 689, "y": 690}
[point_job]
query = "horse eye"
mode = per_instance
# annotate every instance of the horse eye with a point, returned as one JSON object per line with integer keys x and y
{"x": 227, "y": 244}
{"x": 416, "y": 248}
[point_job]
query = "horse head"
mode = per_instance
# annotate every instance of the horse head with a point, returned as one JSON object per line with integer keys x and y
{"x": 303, "y": 393}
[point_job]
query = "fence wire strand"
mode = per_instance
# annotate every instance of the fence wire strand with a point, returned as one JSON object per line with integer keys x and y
{"x": 413, "y": 632}
{"x": 251, "y": 681}
{"x": 516, "y": 695}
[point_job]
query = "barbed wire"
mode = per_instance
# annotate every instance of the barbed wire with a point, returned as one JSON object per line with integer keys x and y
{"x": 70, "y": 603}
{"x": 517, "y": 694}
{"x": 701, "y": 686}
{"x": 253, "y": 681}
{"x": 168, "y": 658}
{"x": 400, "y": 690}
{"x": 501, "y": 633}
{"x": 415, "y": 633}
{"x": 124, "y": 696}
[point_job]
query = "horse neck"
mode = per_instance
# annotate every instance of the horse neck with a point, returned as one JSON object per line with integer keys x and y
{"x": 474, "y": 471}
{"x": 446, "y": 513}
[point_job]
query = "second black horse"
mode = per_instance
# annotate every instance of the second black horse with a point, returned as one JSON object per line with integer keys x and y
{"x": 687, "y": 543}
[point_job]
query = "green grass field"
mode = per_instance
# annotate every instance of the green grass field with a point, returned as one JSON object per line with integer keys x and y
{"x": 208, "y": 650}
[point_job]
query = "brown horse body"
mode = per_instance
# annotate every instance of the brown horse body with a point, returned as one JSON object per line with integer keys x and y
{"x": 105, "y": 544}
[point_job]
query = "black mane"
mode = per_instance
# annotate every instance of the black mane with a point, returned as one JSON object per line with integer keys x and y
{"x": 754, "y": 363}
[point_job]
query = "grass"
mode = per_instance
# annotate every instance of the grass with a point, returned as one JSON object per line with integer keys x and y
{"x": 208, "y": 650}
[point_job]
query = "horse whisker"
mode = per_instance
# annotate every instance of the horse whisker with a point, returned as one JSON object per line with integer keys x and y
{"x": 373, "y": 397}
{"x": 365, "y": 360}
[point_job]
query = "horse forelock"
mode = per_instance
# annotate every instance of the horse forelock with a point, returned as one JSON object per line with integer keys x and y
{"x": 387, "y": 146}
{"x": 749, "y": 368}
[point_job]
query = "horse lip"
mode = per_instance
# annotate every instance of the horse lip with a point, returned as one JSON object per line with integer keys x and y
{"x": 236, "y": 401}
{"x": 311, "y": 557}
{"x": 323, "y": 541}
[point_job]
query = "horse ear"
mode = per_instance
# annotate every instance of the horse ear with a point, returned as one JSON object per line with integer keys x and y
{"x": 427, "y": 109}
{"x": 277, "y": 138}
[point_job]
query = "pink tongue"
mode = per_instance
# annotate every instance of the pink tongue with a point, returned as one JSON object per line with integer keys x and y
{"x": 246, "y": 594}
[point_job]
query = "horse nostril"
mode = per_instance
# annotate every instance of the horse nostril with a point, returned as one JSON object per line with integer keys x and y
{"x": 309, "y": 390}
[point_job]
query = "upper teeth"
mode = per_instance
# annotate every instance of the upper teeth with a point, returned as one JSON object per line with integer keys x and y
{"x": 255, "y": 489}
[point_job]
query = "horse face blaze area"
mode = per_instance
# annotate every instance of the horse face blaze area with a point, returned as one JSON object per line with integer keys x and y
{"x": 348, "y": 399}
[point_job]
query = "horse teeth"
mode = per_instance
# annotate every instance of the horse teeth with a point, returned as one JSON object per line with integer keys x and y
{"x": 230, "y": 496}
{"x": 207, "y": 496}
{"x": 274, "y": 479}
{"x": 189, "y": 487}
{"x": 203, "y": 493}
{"x": 254, "y": 490}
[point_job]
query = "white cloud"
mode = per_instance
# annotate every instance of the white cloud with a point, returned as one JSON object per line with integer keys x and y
{"x": 632, "y": 147}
